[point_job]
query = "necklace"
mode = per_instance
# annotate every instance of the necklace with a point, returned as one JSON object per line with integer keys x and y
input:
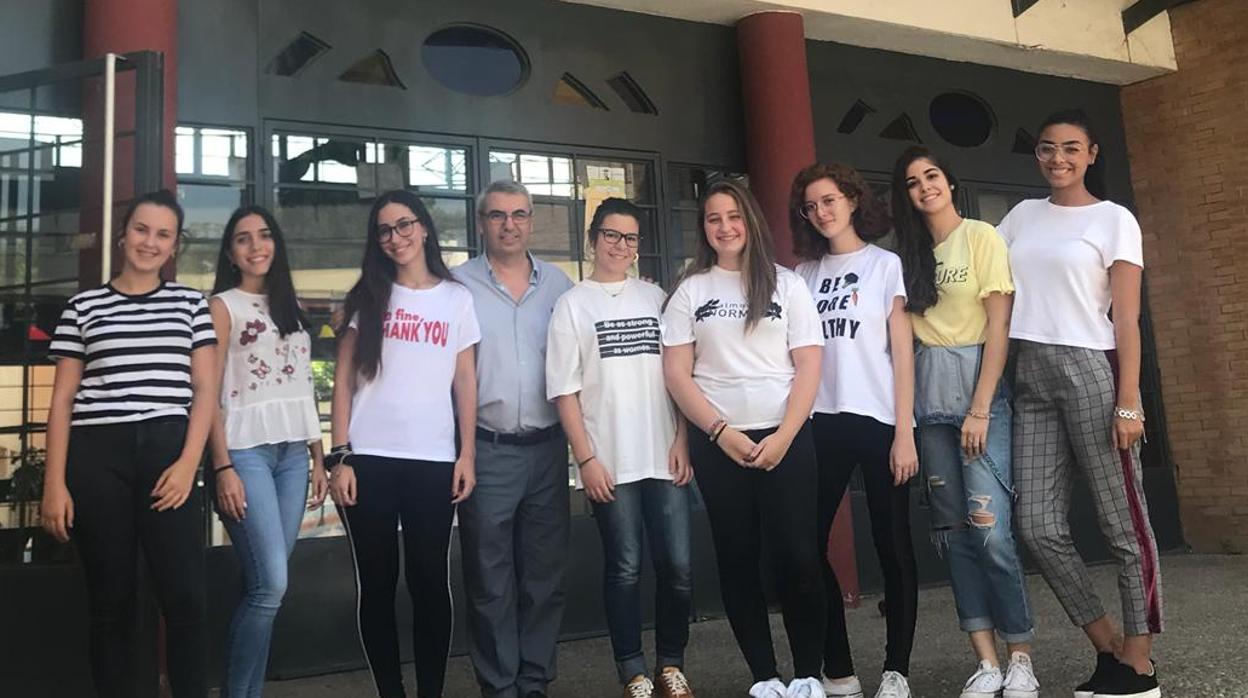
{"x": 613, "y": 288}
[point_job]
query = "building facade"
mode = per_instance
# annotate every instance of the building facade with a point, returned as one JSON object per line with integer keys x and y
{"x": 312, "y": 107}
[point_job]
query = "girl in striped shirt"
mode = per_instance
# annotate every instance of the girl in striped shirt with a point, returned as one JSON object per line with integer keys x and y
{"x": 132, "y": 405}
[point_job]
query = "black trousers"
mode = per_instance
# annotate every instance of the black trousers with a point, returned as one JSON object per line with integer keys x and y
{"x": 843, "y": 442}
{"x": 111, "y": 471}
{"x": 746, "y": 506}
{"x": 418, "y": 494}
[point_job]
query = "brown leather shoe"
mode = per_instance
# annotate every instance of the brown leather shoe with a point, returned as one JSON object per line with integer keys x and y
{"x": 670, "y": 682}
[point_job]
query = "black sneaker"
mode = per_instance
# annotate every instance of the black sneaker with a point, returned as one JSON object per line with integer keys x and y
{"x": 1122, "y": 681}
{"x": 1105, "y": 662}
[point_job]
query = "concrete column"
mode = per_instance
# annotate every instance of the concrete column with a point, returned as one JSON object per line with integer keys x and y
{"x": 779, "y": 142}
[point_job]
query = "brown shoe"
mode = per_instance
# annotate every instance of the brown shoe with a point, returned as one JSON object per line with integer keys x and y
{"x": 639, "y": 687}
{"x": 670, "y": 682}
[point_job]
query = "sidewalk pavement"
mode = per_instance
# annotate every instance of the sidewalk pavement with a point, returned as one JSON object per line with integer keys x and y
{"x": 1201, "y": 654}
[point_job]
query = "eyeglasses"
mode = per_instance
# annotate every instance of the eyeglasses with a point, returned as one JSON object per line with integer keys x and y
{"x": 404, "y": 228}
{"x": 499, "y": 217}
{"x": 613, "y": 237}
{"x": 810, "y": 208}
{"x": 1047, "y": 151}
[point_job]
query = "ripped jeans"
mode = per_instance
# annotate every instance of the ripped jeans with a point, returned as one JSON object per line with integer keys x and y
{"x": 971, "y": 500}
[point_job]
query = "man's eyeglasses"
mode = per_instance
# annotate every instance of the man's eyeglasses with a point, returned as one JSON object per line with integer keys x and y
{"x": 1047, "y": 151}
{"x": 499, "y": 217}
{"x": 613, "y": 237}
{"x": 404, "y": 228}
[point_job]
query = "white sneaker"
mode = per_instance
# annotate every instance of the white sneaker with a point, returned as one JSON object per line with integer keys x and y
{"x": 1020, "y": 678}
{"x": 639, "y": 687}
{"x": 893, "y": 685}
{"x": 842, "y": 689}
{"x": 771, "y": 688}
{"x": 984, "y": 683}
{"x": 804, "y": 688}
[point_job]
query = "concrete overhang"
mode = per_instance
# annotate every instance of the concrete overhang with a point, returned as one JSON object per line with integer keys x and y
{"x": 1070, "y": 38}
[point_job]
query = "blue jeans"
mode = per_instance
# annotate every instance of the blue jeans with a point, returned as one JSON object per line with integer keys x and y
{"x": 662, "y": 510}
{"x": 971, "y": 500}
{"x": 275, "y": 478}
{"x": 972, "y": 514}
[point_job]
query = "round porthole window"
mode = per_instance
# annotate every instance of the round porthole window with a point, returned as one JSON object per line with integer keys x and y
{"x": 962, "y": 119}
{"x": 475, "y": 60}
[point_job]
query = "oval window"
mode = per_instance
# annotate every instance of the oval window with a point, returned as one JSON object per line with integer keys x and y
{"x": 475, "y": 60}
{"x": 962, "y": 119}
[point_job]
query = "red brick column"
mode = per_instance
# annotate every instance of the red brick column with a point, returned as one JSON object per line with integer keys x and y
{"x": 1187, "y": 139}
{"x": 779, "y": 142}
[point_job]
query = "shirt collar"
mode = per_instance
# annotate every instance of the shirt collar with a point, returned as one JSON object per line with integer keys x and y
{"x": 534, "y": 275}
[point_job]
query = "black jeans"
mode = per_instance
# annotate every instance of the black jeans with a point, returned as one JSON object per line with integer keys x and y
{"x": 418, "y": 494}
{"x": 111, "y": 471}
{"x": 746, "y": 506}
{"x": 845, "y": 441}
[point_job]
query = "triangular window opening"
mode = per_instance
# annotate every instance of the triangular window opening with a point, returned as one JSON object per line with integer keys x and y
{"x": 630, "y": 91}
{"x": 1024, "y": 143}
{"x": 572, "y": 92}
{"x": 298, "y": 55}
{"x": 853, "y": 118}
{"x": 374, "y": 69}
{"x": 901, "y": 129}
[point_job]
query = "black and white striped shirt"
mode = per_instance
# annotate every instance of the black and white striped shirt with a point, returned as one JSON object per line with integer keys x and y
{"x": 136, "y": 351}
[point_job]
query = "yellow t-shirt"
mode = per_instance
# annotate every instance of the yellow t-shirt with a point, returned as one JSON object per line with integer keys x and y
{"x": 971, "y": 264}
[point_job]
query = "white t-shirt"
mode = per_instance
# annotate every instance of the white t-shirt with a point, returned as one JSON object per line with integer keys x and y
{"x": 746, "y": 377}
{"x": 406, "y": 411}
{"x": 854, "y": 296}
{"x": 1061, "y": 257}
{"x": 607, "y": 348}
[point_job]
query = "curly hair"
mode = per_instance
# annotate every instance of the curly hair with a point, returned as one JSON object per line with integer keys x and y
{"x": 870, "y": 218}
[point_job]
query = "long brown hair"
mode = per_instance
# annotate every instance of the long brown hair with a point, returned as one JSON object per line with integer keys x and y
{"x": 369, "y": 299}
{"x": 870, "y": 217}
{"x": 758, "y": 259}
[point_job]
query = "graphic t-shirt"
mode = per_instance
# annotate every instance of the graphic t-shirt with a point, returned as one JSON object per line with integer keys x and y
{"x": 971, "y": 264}
{"x": 1061, "y": 256}
{"x": 854, "y": 296}
{"x": 135, "y": 351}
{"x": 406, "y": 411}
{"x": 607, "y": 348}
{"x": 745, "y": 376}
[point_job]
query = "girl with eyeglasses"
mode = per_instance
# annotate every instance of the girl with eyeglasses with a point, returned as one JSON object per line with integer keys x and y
{"x": 132, "y": 404}
{"x": 404, "y": 420}
{"x": 1076, "y": 257}
{"x": 604, "y": 372}
{"x": 865, "y": 402}
{"x": 959, "y": 288}
{"x": 264, "y": 433}
{"x": 741, "y": 358}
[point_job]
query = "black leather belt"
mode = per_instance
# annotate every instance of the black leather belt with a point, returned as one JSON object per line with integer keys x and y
{"x": 528, "y": 438}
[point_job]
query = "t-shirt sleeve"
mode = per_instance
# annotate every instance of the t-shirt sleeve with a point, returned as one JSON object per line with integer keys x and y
{"x": 677, "y": 324}
{"x": 469, "y": 329}
{"x": 67, "y": 339}
{"x": 992, "y": 263}
{"x": 563, "y": 353}
{"x": 202, "y": 332}
{"x": 1121, "y": 240}
{"x": 804, "y": 329}
{"x": 894, "y": 282}
{"x": 1006, "y": 227}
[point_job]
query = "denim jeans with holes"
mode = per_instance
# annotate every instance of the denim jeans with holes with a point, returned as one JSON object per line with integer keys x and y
{"x": 971, "y": 499}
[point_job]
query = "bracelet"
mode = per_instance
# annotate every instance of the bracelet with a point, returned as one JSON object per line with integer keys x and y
{"x": 581, "y": 464}
{"x": 222, "y": 468}
{"x": 978, "y": 415}
{"x": 1133, "y": 415}
{"x": 718, "y": 432}
{"x": 337, "y": 454}
{"x": 719, "y": 422}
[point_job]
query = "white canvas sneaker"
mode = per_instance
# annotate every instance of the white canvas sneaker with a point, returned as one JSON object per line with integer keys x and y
{"x": 893, "y": 685}
{"x": 984, "y": 683}
{"x": 850, "y": 688}
{"x": 1020, "y": 678}
{"x": 804, "y": 688}
{"x": 771, "y": 688}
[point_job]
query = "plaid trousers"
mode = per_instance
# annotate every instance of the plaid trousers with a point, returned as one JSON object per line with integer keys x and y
{"x": 1063, "y": 414}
